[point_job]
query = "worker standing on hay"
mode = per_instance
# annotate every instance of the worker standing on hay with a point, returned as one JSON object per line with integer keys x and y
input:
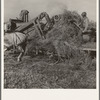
{"x": 83, "y": 26}
{"x": 85, "y": 33}
{"x": 85, "y": 22}
{"x": 88, "y": 34}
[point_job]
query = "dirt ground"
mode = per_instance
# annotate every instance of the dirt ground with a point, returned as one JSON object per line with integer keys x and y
{"x": 41, "y": 72}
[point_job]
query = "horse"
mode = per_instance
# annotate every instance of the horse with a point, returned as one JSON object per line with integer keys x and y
{"x": 15, "y": 40}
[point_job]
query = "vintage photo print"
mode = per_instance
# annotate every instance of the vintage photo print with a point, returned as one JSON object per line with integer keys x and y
{"x": 50, "y": 44}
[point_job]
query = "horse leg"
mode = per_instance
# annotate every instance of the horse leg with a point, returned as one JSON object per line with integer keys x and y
{"x": 22, "y": 48}
{"x": 37, "y": 50}
{"x": 21, "y": 53}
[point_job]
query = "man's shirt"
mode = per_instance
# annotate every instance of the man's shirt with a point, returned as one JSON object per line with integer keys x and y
{"x": 85, "y": 23}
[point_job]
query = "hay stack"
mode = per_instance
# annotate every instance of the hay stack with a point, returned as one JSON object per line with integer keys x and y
{"x": 62, "y": 39}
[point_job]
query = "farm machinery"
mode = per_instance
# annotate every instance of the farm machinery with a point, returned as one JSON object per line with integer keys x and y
{"x": 41, "y": 24}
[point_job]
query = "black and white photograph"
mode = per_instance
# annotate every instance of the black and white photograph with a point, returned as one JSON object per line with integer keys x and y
{"x": 50, "y": 44}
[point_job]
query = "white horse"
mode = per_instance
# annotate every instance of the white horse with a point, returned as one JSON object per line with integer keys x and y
{"x": 15, "y": 40}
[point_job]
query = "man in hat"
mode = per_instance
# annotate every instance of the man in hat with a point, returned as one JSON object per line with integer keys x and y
{"x": 85, "y": 22}
{"x": 84, "y": 26}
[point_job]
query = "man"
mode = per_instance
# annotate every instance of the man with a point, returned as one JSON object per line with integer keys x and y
{"x": 85, "y": 22}
{"x": 90, "y": 33}
{"x": 85, "y": 33}
{"x": 83, "y": 26}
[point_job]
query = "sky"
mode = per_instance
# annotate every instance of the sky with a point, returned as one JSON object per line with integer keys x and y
{"x": 12, "y": 8}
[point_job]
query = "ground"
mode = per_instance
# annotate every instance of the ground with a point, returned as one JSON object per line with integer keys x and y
{"x": 41, "y": 72}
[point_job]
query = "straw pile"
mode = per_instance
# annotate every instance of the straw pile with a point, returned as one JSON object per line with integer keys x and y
{"x": 62, "y": 40}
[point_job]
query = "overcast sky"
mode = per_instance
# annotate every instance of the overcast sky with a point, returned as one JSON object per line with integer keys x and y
{"x": 12, "y": 8}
